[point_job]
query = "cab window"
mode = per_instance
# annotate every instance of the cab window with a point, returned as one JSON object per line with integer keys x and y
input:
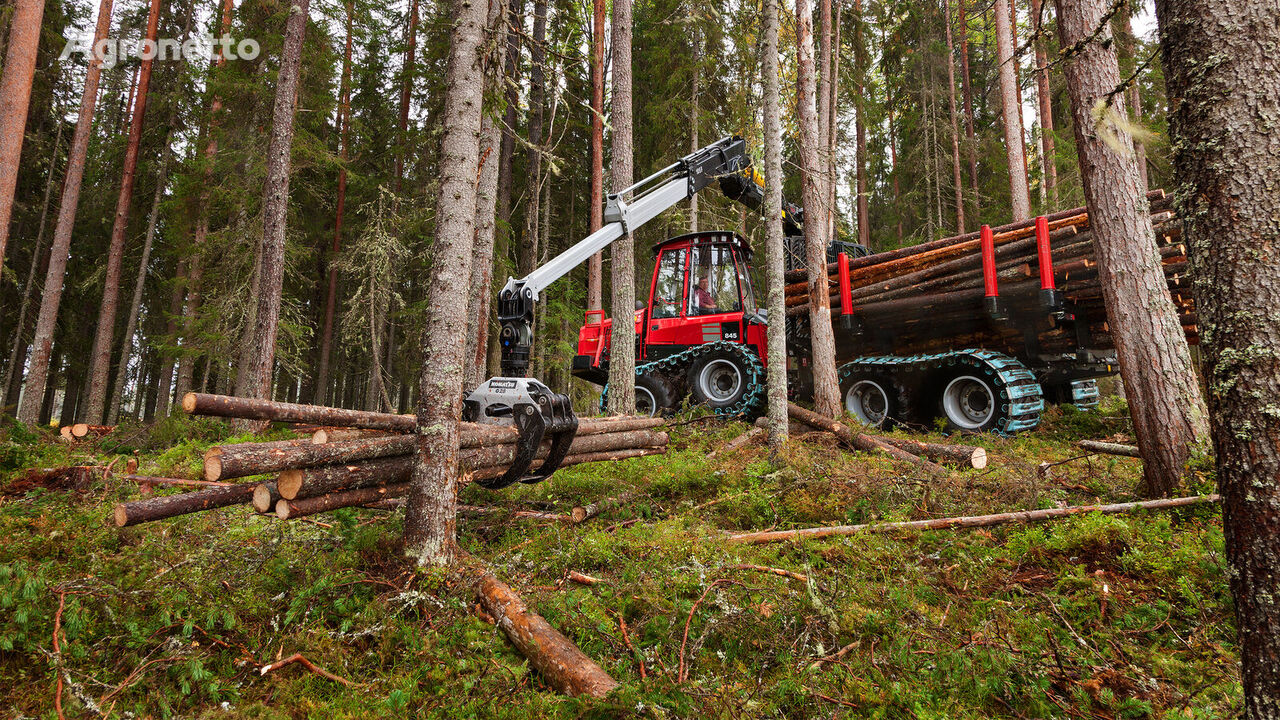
{"x": 668, "y": 285}
{"x": 713, "y": 283}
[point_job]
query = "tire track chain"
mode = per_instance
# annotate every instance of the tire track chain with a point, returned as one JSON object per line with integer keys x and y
{"x": 673, "y": 369}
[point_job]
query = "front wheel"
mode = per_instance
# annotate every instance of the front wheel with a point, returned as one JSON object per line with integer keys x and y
{"x": 720, "y": 379}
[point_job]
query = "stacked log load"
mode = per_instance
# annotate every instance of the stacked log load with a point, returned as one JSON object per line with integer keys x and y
{"x": 930, "y": 297}
{"x": 355, "y": 458}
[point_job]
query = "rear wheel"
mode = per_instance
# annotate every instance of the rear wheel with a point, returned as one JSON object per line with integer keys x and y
{"x": 653, "y": 397}
{"x": 870, "y": 400}
{"x": 969, "y": 402}
{"x": 719, "y": 380}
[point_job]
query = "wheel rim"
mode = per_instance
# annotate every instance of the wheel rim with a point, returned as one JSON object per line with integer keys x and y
{"x": 720, "y": 380}
{"x": 968, "y": 402}
{"x": 868, "y": 402}
{"x": 645, "y": 404}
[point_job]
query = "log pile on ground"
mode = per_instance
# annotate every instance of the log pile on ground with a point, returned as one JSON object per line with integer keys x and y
{"x": 81, "y": 432}
{"x": 930, "y": 297}
{"x": 335, "y": 469}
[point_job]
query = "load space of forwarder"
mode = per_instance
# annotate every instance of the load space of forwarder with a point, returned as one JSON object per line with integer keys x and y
{"x": 701, "y": 335}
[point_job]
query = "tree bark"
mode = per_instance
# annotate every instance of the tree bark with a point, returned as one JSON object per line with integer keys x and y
{"x": 528, "y": 255}
{"x": 1128, "y": 49}
{"x": 229, "y": 406}
{"x": 159, "y": 508}
{"x": 595, "y": 266}
{"x": 1159, "y": 379}
{"x": 331, "y": 291}
{"x": 622, "y": 338}
{"x": 955, "y": 125}
{"x": 1223, "y": 83}
{"x": 38, "y": 374}
{"x": 406, "y": 92}
{"x": 260, "y": 338}
{"x": 825, "y": 179}
{"x": 15, "y": 97}
{"x": 1049, "y": 162}
{"x": 430, "y": 522}
{"x": 972, "y": 145}
{"x": 100, "y": 356}
{"x": 1010, "y": 102}
{"x": 862, "y": 203}
{"x": 822, "y": 338}
{"x": 773, "y": 242}
{"x": 126, "y": 344}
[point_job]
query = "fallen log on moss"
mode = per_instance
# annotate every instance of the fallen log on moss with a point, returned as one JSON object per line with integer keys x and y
{"x": 967, "y": 455}
{"x": 857, "y": 440}
{"x": 1110, "y": 448}
{"x": 140, "y": 511}
{"x": 250, "y": 409}
{"x": 564, "y": 666}
{"x": 83, "y": 430}
{"x": 1024, "y": 516}
{"x": 586, "y": 512}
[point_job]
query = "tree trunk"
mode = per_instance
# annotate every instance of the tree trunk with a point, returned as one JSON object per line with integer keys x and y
{"x": 1159, "y": 379}
{"x": 164, "y": 389}
{"x": 255, "y": 376}
{"x": 622, "y": 339}
{"x": 1222, "y": 78}
{"x": 15, "y": 96}
{"x": 1128, "y": 49}
{"x": 968, "y": 108}
{"x": 595, "y": 267}
{"x": 696, "y": 61}
{"x": 955, "y": 125}
{"x": 100, "y": 357}
{"x": 406, "y": 90}
{"x": 331, "y": 291}
{"x": 537, "y": 99}
{"x": 113, "y": 408}
{"x": 824, "y": 179}
{"x": 833, "y": 132}
{"x": 38, "y": 374}
{"x": 430, "y": 522}
{"x": 18, "y": 353}
{"x": 509, "y": 120}
{"x": 862, "y": 203}
{"x": 773, "y": 242}
{"x": 1015, "y": 153}
{"x": 1049, "y": 162}
{"x": 826, "y": 386}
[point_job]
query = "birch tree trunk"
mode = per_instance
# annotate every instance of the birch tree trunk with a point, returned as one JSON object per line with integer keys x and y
{"x": 255, "y": 375}
{"x": 1159, "y": 379}
{"x": 100, "y": 357}
{"x": 1015, "y": 153}
{"x": 15, "y": 97}
{"x": 774, "y": 253}
{"x": 1223, "y": 83}
{"x": 38, "y": 375}
{"x": 622, "y": 338}
{"x": 826, "y": 388}
{"x": 430, "y": 522}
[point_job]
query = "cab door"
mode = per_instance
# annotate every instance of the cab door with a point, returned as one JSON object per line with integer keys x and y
{"x": 663, "y": 323}
{"x": 713, "y": 305}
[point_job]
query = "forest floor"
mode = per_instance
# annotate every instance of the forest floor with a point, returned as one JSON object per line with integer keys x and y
{"x": 1122, "y": 616}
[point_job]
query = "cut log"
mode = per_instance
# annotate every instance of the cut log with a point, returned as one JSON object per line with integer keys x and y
{"x": 586, "y": 512}
{"x": 328, "y": 435}
{"x": 583, "y": 444}
{"x": 1110, "y": 448}
{"x": 265, "y": 497}
{"x": 140, "y": 511}
{"x": 179, "y": 482}
{"x": 299, "y": 483}
{"x": 743, "y": 439}
{"x": 857, "y": 440}
{"x": 561, "y": 663}
{"x": 966, "y": 455}
{"x": 521, "y": 514}
{"x": 1025, "y": 516}
{"x": 81, "y": 430}
{"x": 302, "y": 507}
{"x": 251, "y": 409}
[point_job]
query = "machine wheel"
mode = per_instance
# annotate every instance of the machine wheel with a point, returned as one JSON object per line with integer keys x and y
{"x": 719, "y": 380}
{"x": 871, "y": 400}
{"x": 970, "y": 403}
{"x": 653, "y": 397}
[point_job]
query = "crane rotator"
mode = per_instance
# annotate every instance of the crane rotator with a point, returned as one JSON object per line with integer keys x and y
{"x": 537, "y": 412}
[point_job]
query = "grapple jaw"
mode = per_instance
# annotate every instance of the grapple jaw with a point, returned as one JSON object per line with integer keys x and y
{"x": 537, "y": 414}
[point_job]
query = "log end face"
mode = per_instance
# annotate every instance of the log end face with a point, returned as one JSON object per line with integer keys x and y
{"x": 189, "y": 403}
{"x": 578, "y": 514}
{"x": 262, "y": 499}
{"x": 282, "y": 509}
{"x": 213, "y": 465}
{"x": 319, "y": 437}
{"x": 80, "y": 430}
{"x": 289, "y": 484}
{"x": 979, "y": 459}
{"x": 121, "y": 516}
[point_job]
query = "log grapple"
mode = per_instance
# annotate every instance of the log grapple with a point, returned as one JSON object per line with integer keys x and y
{"x": 537, "y": 413}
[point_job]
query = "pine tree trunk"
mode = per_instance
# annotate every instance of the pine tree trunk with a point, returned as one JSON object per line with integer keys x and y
{"x": 486, "y": 206}
{"x": 595, "y": 267}
{"x": 18, "y": 353}
{"x": 1222, "y": 78}
{"x": 511, "y": 118}
{"x": 955, "y": 125}
{"x": 430, "y": 523}
{"x": 774, "y": 253}
{"x": 164, "y": 380}
{"x": 406, "y": 91}
{"x": 1128, "y": 48}
{"x": 862, "y": 203}
{"x": 1015, "y": 153}
{"x": 113, "y": 408}
{"x": 38, "y": 374}
{"x": 528, "y": 256}
{"x": 100, "y": 357}
{"x": 260, "y": 337}
{"x": 826, "y": 390}
{"x": 331, "y": 290}
{"x": 968, "y": 109}
{"x": 15, "y": 97}
{"x": 1049, "y": 161}
{"x": 693, "y": 122}
{"x": 1159, "y": 379}
{"x": 825, "y": 180}
{"x": 833, "y": 129}
{"x": 622, "y": 339}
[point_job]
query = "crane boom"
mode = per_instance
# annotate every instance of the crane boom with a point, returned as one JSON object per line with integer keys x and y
{"x": 725, "y": 160}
